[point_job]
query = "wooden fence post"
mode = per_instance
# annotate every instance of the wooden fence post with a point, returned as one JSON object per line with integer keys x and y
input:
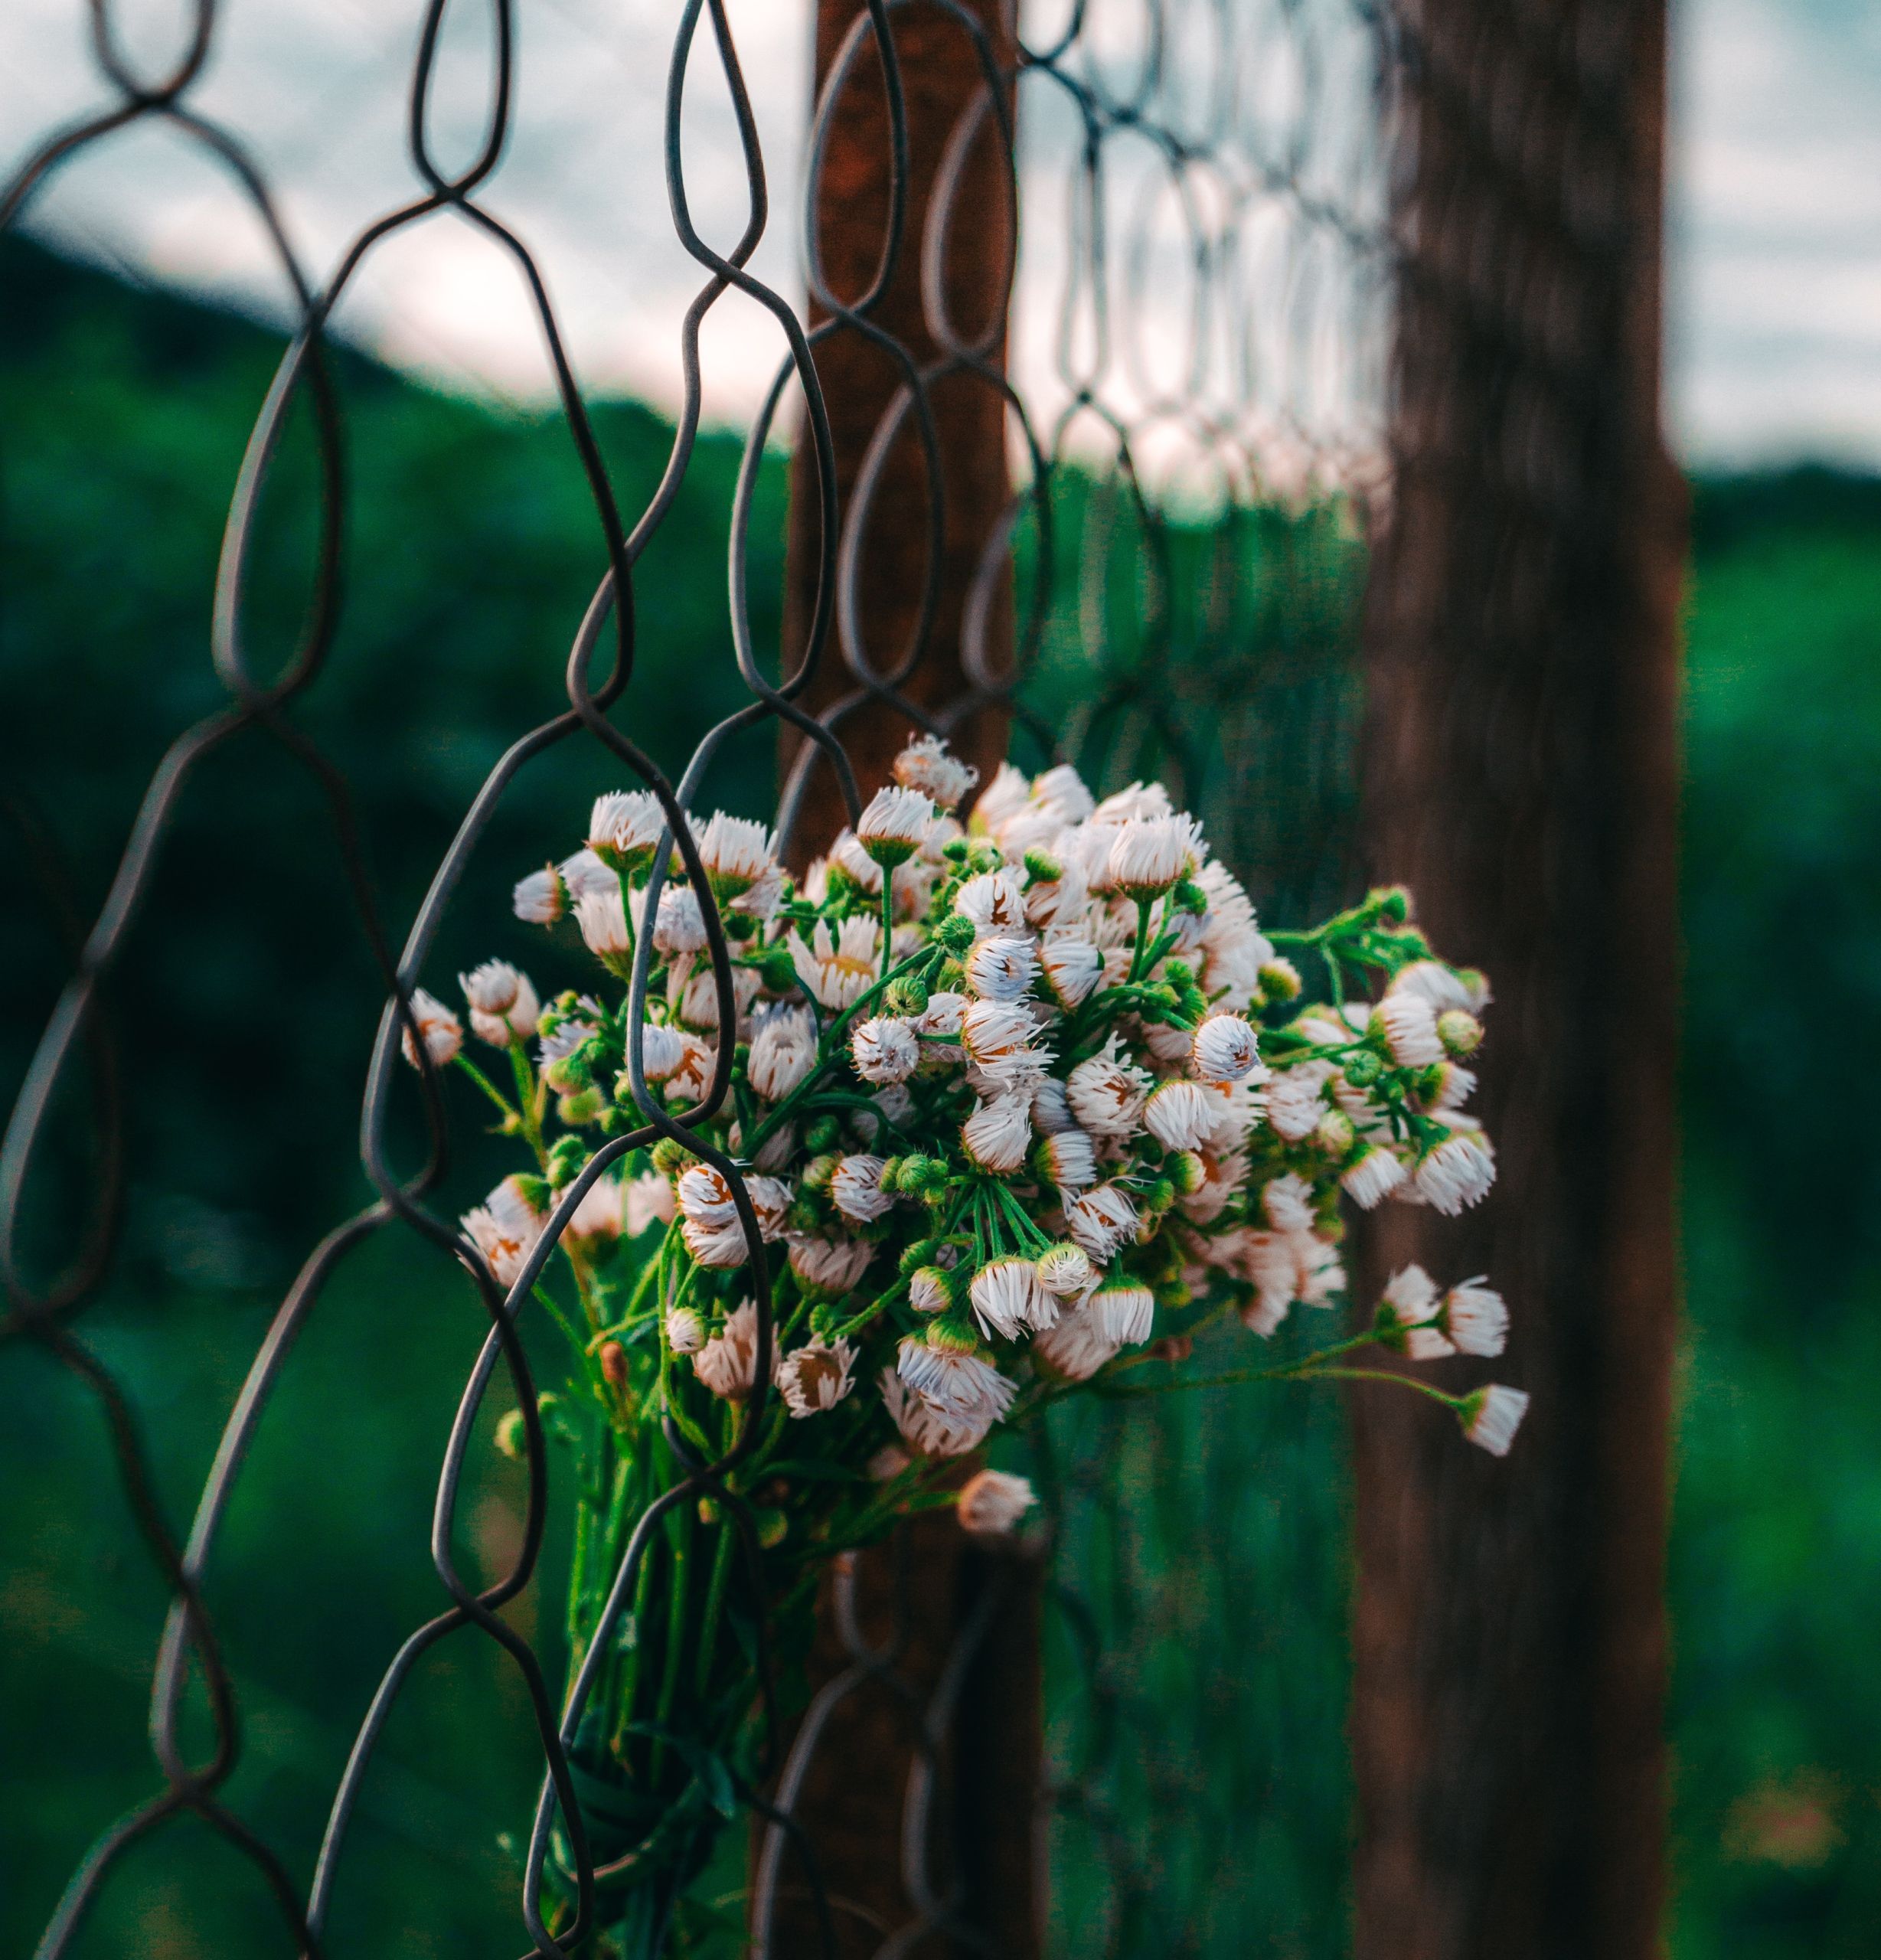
{"x": 1521, "y": 777}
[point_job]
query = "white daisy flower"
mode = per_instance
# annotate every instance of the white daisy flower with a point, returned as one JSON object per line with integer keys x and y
{"x": 1008, "y": 1299}
{"x": 602, "y": 919}
{"x": 721, "y": 1247}
{"x": 829, "y": 1266}
{"x": 1296, "y": 1100}
{"x": 1002, "y": 969}
{"x": 727, "y": 1364}
{"x": 679, "y": 925}
{"x": 1371, "y": 1177}
{"x": 685, "y": 1332}
{"x": 1491, "y": 1416}
{"x": 855, "y": 1189}
{"x": 815, "y": 1376}
{"x": 838, "y": 969}
{"x": 624, "y": 829}
{"x": 1075, "y": 1345}
{"x": 885, "y": 1049}
{"x": 503, "y": 1005}
{"x": 1226, "y": 1049}
{"x": 960, "y": 1385}
{"x": 1067, "y": 1158}
{"x": 1101, "y": 1220}
{"x": 1442, "y": 987}
{"x": 1066, "y": 1271}
{"x": 1072, "y": 966}
{"x": 927, "y": 1428}
{"x": 738, "y": 854}
{"x": 1287, "y": 1202}
{"x": 539, "y": 899}
{"x": 1125, "y": 1310}
{"x": 993, "y": 903}
{"x": 929, "y": 1290}
{"x": 783, "y": 1051}
{"x": 999, "y": 1039}
{"x": 649, "y": 1201}
{"x": 1476, "y": 1318}
{"x": 1051, "y": 1107}
{"x": 1107, "y": 1094}
{"x": 584, "y": 873}
{"x": 600, "y": 1216}
{"x": 1180, "y": 1115}
{"x": 1457, "y": 1174}
{"x": 927, "y": 764}
{"x": 705, "y": 1196}
{"x": 439, "y": 1029}
{"x": 504, "y": 1228}
{"x": 1410, "y": 1030}
{"x": 992, "y": 1503}
{"x": 1007, "y": 795}
{"x": 893, "y": 826}
{"x": 1061, "y": 793}
{"x": 997, "y": 1134}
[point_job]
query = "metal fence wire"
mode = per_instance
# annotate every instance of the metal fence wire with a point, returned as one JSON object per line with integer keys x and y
{"x": 1188, "y": 398}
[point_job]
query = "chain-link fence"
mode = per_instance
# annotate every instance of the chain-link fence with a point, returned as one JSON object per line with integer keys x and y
{"x": 1138, "y": 259}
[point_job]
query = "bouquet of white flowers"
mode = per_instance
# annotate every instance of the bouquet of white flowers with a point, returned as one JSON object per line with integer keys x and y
{"x": 976, "y": 1117}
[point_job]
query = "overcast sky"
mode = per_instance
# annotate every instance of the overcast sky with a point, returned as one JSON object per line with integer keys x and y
{"x": 1773, "y": 317}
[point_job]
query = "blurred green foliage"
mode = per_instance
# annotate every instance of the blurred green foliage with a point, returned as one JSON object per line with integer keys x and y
{"x": 1776, "y": 1548}
{"x": 472, "y": 551}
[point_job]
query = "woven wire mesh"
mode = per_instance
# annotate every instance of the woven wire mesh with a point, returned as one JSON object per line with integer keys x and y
{"x": 1191, "y": 399}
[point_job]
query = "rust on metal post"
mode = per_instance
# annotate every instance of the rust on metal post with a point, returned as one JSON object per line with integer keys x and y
{"x": 1521, "y": 777}
{"x": 957, "y": 1699}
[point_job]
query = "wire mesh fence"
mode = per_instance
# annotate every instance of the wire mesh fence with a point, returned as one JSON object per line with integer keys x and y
{"x": 1130, "y": 266}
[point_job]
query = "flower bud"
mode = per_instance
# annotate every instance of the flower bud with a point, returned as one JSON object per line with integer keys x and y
{"x": 670, "y": 1156}
{"x": 585, "y": 1106}
{"x": 820, "y": 1169}
{"x": 930, "y": 1290}
{"x": 1334, "y": 1135}
{"x": 1280, "y": 981}
{"x": 1160, "y": 1196}
{"x": 1364, "y": 1068}
{"x": 1042, "y": 866}
{"x": 1187, "y": 1172}
{"x": 614, "y": 1363}
{"x": 512, "y": 1434}
{"x": 1393, "y": 904}
{"x": 822, "y": 1135}
{"x": 685, "y": 1332}
{"x": 1460, "y": 1031}
{"x": 905, "y": 995}
{"x": 955, "y": 933}
{"x": 566, "y": 1155}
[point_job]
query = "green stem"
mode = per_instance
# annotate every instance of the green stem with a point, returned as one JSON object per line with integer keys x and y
{"x": 714, "y": 1608}
{"x": 1306, "y": 1365}
{"x": 527, "y": 1103}
{"x": 680, "y": 1539}
{"x": 489, "y": 1089}
{"x": 1142, "y": 939}
{"x": 888, "y": 920}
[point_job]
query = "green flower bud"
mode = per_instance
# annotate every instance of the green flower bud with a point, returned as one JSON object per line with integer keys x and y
{"x": 1335, "y": 1134}
{"x": 709, "y": 1512}
{"x": 1179, "y": 974}
{"x": 1174, "y": 1293}
{"x": 670, "y": 1156}
{"x": 566, "y": 1156}
{"x": 824, "y": 1134}
{"x": 1280, "y": 981}
{"x": 1460, "y": 1031}
{"x": 921, "y": 1252}
{"x": 905, "y": 995}
{"x": 779, "y": 971}
{"x": 956, "y": 851}
{"x": 1160, "y": 1196}
{"x": 1042, "y": 867}
{"x": 952, "y": 977}
{"x": 773, "y": 1529}
{"x": 955, "y": 932}
{"x": 1189, "y": 898}
{"x": 1364, "y": 1068}
{"x": 1392, "y": 903}
{"x": 739, "y": 926}
{"x": 953, "y": 1333}
{"x": 580, "y": 1109}
{"x": 821, "y": 1167}
{"x": 512, "y": 1434}
{"x": 1187, "y": 1172}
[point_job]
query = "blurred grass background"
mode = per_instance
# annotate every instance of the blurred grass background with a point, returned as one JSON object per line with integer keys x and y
{"x": 246, "y": 1006}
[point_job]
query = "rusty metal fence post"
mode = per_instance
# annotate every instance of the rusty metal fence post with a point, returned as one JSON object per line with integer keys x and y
{"x": 1509, "y": 1635}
